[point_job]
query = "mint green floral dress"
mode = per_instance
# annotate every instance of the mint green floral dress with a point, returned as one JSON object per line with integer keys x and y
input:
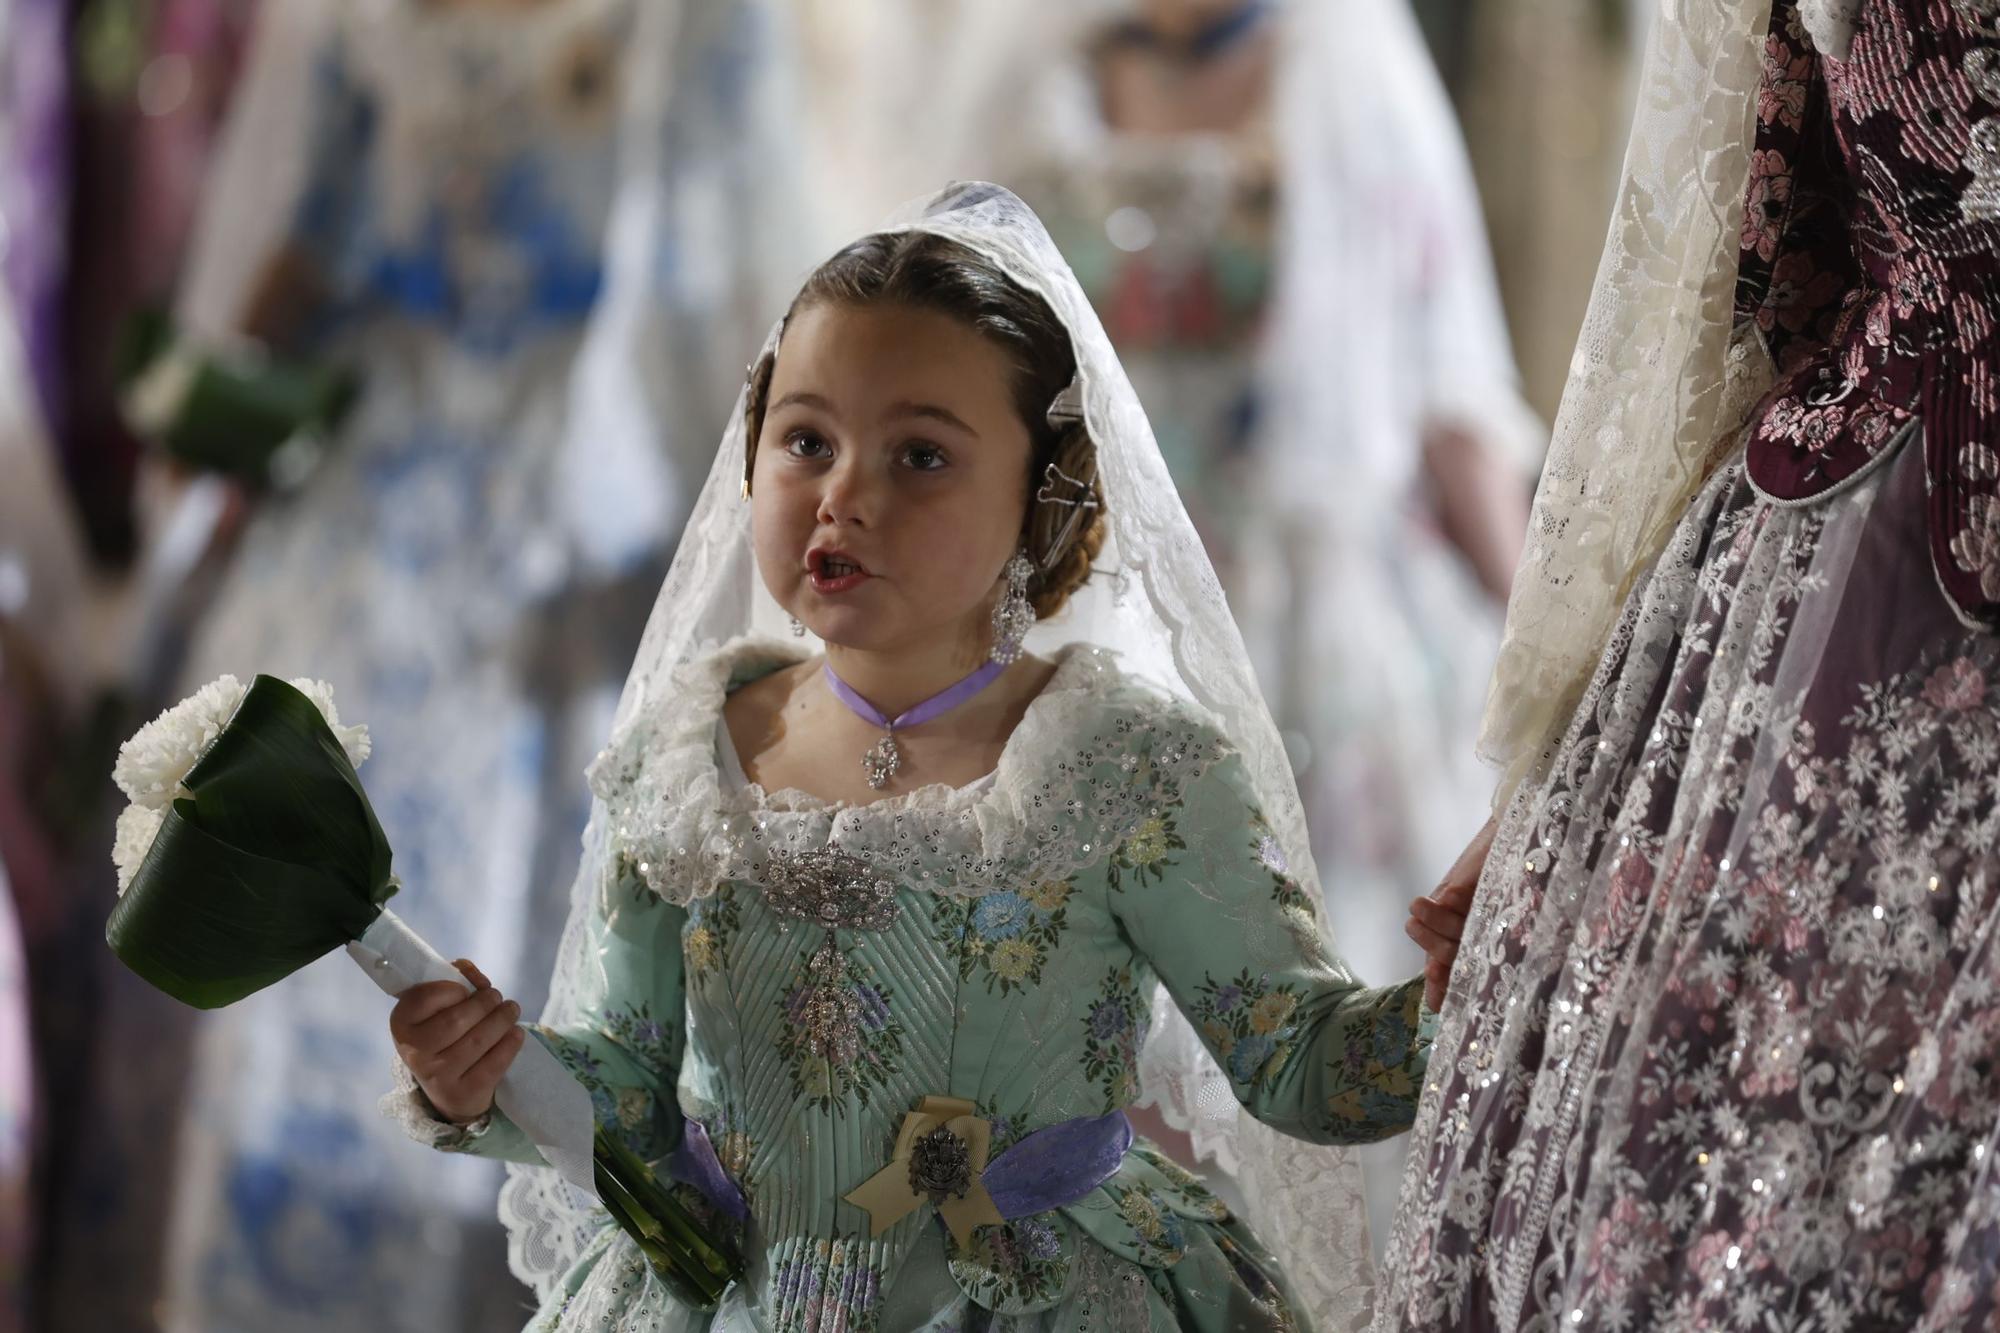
{"x": 1114, "y": 846}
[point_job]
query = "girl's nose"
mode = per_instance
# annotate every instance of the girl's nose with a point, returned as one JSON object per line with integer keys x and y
{"x": 850, "y": 496}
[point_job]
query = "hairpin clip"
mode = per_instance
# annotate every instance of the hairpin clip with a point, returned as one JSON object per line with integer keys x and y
{"x": 1052, "y": 476}
{"x": 1080, "y": 499}
{"x": 1067, "y": 409}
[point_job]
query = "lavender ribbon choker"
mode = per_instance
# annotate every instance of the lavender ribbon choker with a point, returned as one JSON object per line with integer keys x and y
{"x": 884, "y": 759}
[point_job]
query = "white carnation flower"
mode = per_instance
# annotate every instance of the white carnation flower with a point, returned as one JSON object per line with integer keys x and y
{"x": 354, "y": 739}
{"x": 152, "y": 765}
{"x": 137, "y": 827}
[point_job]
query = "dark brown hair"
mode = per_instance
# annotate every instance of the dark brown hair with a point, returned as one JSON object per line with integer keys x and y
{"x": 928, "y": 272}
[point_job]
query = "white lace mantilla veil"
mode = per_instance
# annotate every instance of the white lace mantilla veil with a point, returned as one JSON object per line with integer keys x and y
{"x": 1360, "y": 112}
{"x": 1154, "y": 599}
{"x": 1657, "y": 388}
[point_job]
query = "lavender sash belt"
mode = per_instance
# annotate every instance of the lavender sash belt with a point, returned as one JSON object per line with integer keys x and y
{"x": 1054, "y": 1167}
{"x": 695, "y": 1163}
{"x": 1049, "y": 1169}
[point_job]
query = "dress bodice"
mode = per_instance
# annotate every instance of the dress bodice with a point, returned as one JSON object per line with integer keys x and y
{"x": 1872, "y": 263}
{"x": 798, "y": 976}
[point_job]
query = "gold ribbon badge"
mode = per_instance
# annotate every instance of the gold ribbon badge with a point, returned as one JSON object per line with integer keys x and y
{"x": 940, "y": 1156}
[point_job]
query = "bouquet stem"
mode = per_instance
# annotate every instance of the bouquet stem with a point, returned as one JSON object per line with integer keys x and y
{"x": 541, "y": 1097}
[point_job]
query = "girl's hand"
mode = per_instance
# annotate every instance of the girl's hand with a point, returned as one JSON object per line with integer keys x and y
{"x": 458, "y": 1045}
{"x": 1437, "y": 922}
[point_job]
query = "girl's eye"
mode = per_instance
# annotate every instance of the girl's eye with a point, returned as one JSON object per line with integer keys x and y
{"x": 805, "y": 444}
{"x": 924, "y": 457}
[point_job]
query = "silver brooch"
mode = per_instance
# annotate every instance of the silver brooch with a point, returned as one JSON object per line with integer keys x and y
{"x": 940, "y": 1166}
{"x": 829, "y": 888}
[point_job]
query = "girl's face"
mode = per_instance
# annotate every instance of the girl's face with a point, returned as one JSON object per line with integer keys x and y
{"x": 890, "y": 479}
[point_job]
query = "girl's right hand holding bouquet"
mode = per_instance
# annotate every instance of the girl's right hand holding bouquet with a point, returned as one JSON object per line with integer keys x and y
{"x": 458, "y": 1045}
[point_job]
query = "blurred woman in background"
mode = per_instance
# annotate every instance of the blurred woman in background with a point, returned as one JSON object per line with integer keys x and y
{"x": 422, "y": 190}
{"x": 1270, "y": 207}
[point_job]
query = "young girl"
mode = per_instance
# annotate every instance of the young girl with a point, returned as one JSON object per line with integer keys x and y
{"x": 825, "y": 891}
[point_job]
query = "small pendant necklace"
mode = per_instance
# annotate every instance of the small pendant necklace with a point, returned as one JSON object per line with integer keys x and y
{"x": 884, "y": 758}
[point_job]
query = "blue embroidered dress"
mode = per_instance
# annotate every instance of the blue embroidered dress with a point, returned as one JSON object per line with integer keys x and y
{"x": 458, "y": 182}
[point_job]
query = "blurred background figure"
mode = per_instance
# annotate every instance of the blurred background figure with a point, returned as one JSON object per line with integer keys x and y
{"x": 1270, "y": 206}
{"x": 543, "y": 236}
{"x": 41, "y": 581}
{"x": 455, "y": 166}
{"x": 420, "y": 193}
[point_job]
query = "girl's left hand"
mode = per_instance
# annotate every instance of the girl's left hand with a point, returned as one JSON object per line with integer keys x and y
{"x": 1437, "y": 922}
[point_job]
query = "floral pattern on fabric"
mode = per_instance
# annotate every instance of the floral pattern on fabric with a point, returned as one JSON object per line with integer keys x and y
{"x": 828, "y": 1288}
{"x": 1725, "y": 1051}
{"x": 735, "y": 1148}
{"x": 840, "y": 1038}
{"x": 1872, "y": 270}
{"x": 1146, "y": 856}
{"x": 1006, "y": 937}
{"x": 1182, "y": 1187}
{"x": 1286, "y": 892}
{"x": 1112, "y": 1028}
{"x": 632, "y": 1112}
{"x": 712, "y": 922}
{"x": 802, "y": 1052}
{"x": 1157, "y": 1234}
{"x": 1019, "y": 1267}
{"x": 1373, "y": 1090}
{"x": 1247, "y": 1022}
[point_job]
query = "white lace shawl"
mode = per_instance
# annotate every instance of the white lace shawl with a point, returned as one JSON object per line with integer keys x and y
{"x": 1648, "y": 406}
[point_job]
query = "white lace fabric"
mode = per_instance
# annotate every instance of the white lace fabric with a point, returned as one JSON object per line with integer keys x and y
{"x": 676, "y": 820}
{"x": 1153, "y": 600}
{"x": 1647, "y": 412}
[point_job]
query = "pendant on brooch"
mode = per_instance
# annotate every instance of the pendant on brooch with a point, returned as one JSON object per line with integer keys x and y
{"x": 832, "y": 1013}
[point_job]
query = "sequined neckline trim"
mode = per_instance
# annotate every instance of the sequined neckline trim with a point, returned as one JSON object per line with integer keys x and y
{"x": 1094, "y": 755}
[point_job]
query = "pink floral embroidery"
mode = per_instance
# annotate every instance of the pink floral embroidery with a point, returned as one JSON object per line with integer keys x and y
{"x": 1782, "y": 99}
{"x": 1978, "y": 462}
{"x": 1873, "y": 429}
{"x": 1955, "y": 687}
{"x": 1822, "y": 427}
{"x": 1917, "y": 282}
{"x": 1938, "y": 137}
{"x": 1985, "y": 391}
{"x": 1974, "y": 320}
{"x": 1799, "y": 291}
{"x": 1784, "y": 422}
{"x": 1768, "y": 199}
{"x": 1976, "y": 547}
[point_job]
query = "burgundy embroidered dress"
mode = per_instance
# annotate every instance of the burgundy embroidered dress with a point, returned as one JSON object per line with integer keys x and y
{"x": 1731, "y": 1051}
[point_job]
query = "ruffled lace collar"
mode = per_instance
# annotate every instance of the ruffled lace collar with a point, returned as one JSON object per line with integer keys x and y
{"x": 1095, "y": 754}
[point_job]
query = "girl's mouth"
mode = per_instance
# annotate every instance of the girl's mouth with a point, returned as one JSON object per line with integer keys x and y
{"x": 835, "y": 571}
